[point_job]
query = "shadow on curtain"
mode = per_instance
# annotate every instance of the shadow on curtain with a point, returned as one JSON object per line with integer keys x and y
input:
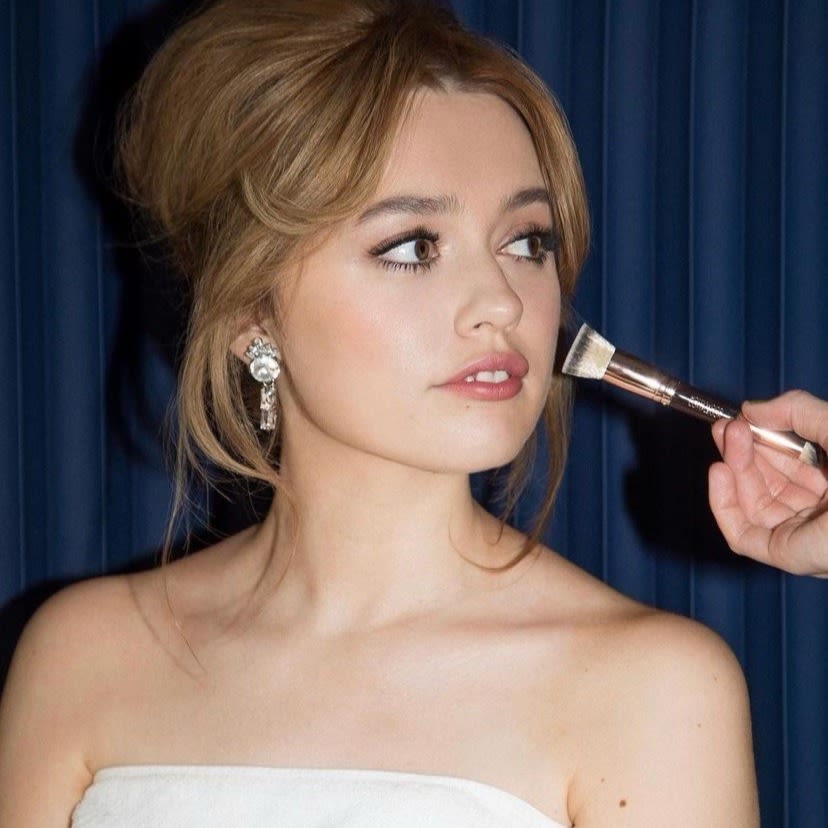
{"x": 703, "y": 133}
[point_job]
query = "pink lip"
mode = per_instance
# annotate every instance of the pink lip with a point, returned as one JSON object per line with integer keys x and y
{"x": 514, "y": 364}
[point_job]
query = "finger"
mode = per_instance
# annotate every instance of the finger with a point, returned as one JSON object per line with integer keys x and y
{"x": 765, "y": 493}
{"x": 800, "y": 544}
{"x": 736, "y": 438}
{"x": 793, "y": 546}
{"x": 741, "y": 535}
{"x": 797, "y": 484}
{"x": 718, "y": 429}
{"x": 780, "y": 469}
{"x": 797, "y": 411}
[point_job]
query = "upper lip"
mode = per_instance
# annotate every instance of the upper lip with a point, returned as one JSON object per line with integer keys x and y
{"x": 513, "y": 363}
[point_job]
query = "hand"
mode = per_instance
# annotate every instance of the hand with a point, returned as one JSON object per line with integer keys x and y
{"x": 769, "y": 506}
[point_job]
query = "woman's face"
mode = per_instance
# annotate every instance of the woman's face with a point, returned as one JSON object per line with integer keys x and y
{"x": 423, "y": 330}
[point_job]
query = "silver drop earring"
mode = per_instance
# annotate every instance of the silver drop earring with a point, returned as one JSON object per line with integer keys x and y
{"x": 264, "y": 368}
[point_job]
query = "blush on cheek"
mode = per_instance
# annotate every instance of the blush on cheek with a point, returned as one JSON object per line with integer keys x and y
{"x": 339, "y": 338}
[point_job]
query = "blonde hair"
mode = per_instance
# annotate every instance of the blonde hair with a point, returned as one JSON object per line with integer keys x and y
{"x": 259, "y": 124}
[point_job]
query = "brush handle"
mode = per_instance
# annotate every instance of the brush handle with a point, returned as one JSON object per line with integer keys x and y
{"x": 690, "y": 400}
{"x": 632, "y": 374}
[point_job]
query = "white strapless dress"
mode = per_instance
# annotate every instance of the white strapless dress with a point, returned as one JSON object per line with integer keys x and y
{"x": 210, "y": 796}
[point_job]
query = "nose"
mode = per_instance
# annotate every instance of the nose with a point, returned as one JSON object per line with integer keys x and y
{"x": 489, "y": 302}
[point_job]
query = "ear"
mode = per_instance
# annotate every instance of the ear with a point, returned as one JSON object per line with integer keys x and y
{"x": 239, "y": 345}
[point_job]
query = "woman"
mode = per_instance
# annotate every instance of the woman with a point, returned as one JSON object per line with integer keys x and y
{"x": 382, "y": 218}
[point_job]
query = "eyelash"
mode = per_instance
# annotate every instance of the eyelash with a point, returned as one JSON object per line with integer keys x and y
{"x": 409, "y": 236}
{"x": 548, "y": 239}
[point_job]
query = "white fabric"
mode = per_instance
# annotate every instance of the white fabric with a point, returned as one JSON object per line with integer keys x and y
{"x": 161, "y": 796}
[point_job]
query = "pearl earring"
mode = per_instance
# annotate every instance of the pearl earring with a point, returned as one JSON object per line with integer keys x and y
{"x": 264, "y": 368}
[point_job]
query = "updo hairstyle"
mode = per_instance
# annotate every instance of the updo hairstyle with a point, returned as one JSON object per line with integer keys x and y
{"x": 261, "y": 123}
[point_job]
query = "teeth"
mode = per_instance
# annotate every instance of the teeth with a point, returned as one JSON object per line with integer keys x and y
{"x": 488, "y": 376}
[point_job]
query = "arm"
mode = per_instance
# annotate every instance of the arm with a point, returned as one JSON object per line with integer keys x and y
{"x": 768, "y": 506}
{"x": 673, "y": 744}
{"x": 42, "y": 768}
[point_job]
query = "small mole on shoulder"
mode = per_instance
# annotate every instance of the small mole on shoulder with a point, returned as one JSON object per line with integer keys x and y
{"x": 622, "y": 803}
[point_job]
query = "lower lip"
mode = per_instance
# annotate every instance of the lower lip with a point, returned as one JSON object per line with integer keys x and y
{"x": 489, "y": 391}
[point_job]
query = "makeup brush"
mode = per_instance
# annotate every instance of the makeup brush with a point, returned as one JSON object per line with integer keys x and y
{"x": 593, "y": 357}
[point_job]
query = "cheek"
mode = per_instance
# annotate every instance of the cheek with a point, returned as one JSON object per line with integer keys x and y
{"x": 377, "y": 339}
{"x": 540, "y": 323}
{"x": 542, "y": 311}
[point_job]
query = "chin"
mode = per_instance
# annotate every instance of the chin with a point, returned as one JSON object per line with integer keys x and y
{"x": 476, "y": 453}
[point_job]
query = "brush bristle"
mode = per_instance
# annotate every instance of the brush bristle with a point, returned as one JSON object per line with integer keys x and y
{"x": 589, "y": 355}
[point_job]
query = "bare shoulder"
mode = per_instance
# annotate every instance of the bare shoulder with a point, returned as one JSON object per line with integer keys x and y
{"x": 666, "y": 730}
{"x": 71, "y": 625}
{"x": 93, "y": 634}
{"x": 630, "y": 641}
{"x": 73, "y": 632}
{"x": 675, "y": 669}
{"x": 623, "y": 632}
{"x": 82, "y": 671}
{"x": 683, "y": 753}
{"x": 647, "y": 710}
{"x": 49, "y": 700}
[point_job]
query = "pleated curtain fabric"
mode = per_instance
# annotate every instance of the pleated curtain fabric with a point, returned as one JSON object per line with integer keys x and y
{"x": 703, "y": 132}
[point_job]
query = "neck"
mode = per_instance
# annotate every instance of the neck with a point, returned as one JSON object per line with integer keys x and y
{"x": 362, "y": 540}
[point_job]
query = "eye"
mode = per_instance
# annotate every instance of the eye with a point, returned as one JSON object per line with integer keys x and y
{"x": 415, "y": 250}
{"x": 534, "y": 245}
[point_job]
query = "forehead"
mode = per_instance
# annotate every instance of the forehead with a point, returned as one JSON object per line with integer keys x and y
{"x": 455, "y": 141}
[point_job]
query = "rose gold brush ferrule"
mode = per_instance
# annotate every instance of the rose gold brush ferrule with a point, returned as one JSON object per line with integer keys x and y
{"x": 632, "y": 374}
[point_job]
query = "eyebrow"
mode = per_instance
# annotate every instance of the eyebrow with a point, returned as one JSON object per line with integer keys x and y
{"x": 523, "y": 198}
{"x": 442, "y": 204}
{"x": 413, "y": 205}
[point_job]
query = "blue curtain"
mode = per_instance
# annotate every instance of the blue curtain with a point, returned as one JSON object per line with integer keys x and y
{"x": 703, "y": 131}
